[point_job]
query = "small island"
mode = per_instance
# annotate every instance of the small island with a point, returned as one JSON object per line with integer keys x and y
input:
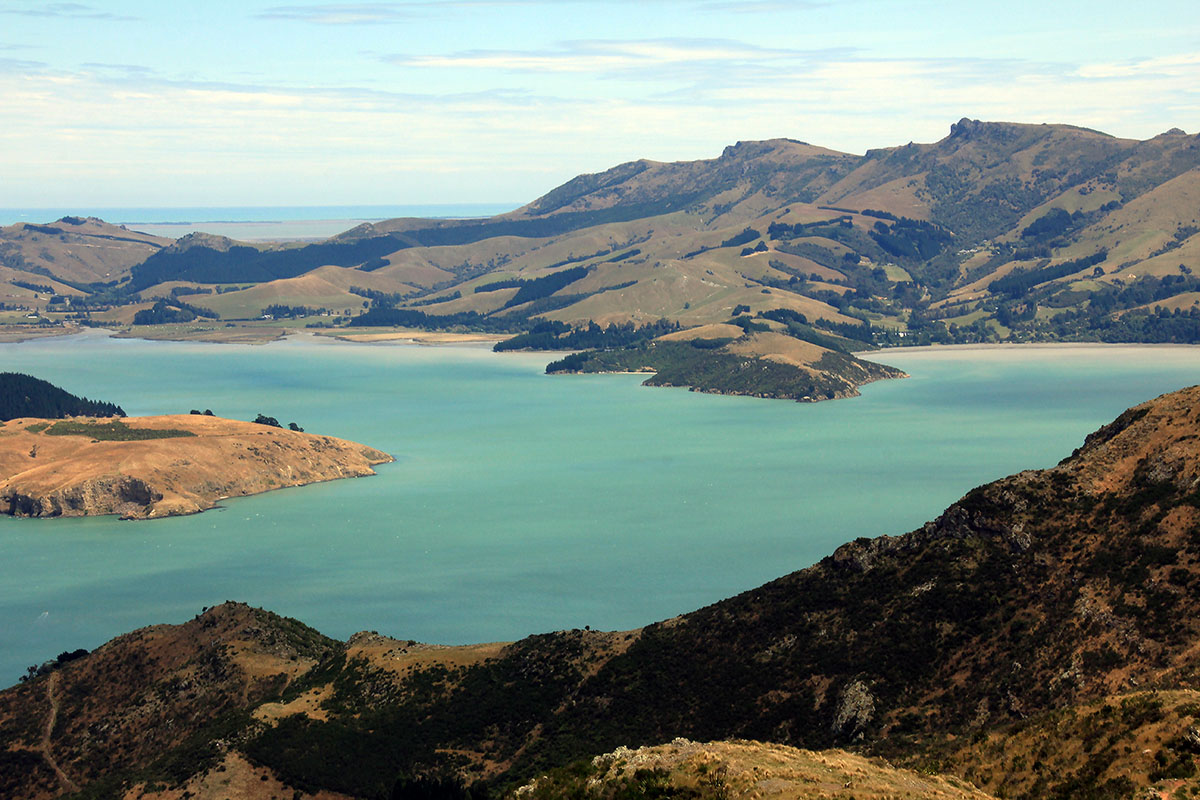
{"x": 728, "y": 359}
{"x": 150, "y": 467}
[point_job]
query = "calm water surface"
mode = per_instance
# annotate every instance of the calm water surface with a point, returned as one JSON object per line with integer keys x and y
{"x": 522, "y": 503}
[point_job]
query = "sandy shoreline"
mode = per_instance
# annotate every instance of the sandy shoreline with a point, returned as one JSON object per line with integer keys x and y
{"x": 15, "y": 334}
{"x": 1034, "y": 351}
{"x": 249, "y": 335}
{"x": 419, "y": 337}
{"x": 1015, "y": 346}
{"x": 262, "y": 335}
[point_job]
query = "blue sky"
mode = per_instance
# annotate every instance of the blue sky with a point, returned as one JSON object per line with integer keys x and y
{"x": 442, "y": 101}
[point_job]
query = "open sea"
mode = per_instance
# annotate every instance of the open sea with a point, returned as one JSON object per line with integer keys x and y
{"x": 254, "y": 223}
{"x": 522, "y": 503}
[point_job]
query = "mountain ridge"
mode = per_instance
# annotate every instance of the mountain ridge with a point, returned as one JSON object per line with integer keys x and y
{"x": 999, "y": 231}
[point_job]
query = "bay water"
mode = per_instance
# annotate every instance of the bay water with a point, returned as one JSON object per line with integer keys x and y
{"x": 521, "y": 503}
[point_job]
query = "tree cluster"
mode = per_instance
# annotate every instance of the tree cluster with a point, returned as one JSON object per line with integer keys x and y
{"x": 26, "y": 396}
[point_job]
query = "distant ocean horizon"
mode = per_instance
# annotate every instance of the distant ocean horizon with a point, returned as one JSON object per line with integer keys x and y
{"x": 253, "y": 222}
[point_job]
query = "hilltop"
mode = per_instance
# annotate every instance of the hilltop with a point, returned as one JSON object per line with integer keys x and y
{"x": 997, "y": 232}
{"x": 147, "y": 467}
{"x": 1035, "y": 640}
{"x": 715, "y": 770}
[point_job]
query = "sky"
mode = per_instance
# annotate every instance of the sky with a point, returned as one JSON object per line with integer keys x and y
{"x": 257, "y": 102}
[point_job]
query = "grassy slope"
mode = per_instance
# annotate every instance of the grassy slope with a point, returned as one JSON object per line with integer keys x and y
{"x": 985, "y": 183}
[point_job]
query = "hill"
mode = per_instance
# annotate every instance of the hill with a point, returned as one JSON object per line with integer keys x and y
{"x": 1035, "y": 639}
{"x": 757, "y": 364}
{"x": 146, "y": 467}
{"x": 997, "y": 232}
{"x": 26, "y": 396}
{"x": 74, "y": 250}
{"x": 714, "y": 770}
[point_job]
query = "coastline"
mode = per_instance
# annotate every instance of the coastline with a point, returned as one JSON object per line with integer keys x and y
{"x": 184, "y": 464}
{"x": 1014, "y": 346}
{"x": 255, "y": 334}
{"x": 412, "y": 337}
{"x": 1000, "y": 352}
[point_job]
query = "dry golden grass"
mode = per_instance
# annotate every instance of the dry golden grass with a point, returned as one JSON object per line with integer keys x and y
{"x": 778, "y": 347}
{"x": 758, "y": 771}
{"x": 90, "y": 252}
{"x": 716, "y": 331}
{"x": 77, "y": 476}
{"x": 234, "y": 778}
{"x": 24, "y": 333}
{"x": 1125, "y": 733}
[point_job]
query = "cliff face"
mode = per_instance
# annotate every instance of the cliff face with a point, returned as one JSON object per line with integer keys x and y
{"x": 198, "y": 461}
{"x": 1026, "y": 640}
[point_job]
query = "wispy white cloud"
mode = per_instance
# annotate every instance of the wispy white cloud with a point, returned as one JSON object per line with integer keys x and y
{"x": 645, "y": 59}
{"x": 176, "y": 141}
{"x": 396, "y": 12}
{"x": 62, "y": 10}
{"x": 18, "y": 65}
{"x": 344, "y": 13}
{"x": 1172, "y": 66}
{"x": 131, "y": 70}
{"x": 763, "y": 6}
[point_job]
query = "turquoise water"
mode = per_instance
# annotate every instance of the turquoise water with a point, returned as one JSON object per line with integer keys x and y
{"x": 522, "y": 503}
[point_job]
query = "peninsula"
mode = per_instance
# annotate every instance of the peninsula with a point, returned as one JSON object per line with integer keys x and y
{"x": 149, "y": 467}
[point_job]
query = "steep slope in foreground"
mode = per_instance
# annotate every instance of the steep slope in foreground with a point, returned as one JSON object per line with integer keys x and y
{"x": 1036, "y": 639}
{"x": 147, "y": 467}
{"x": 720, "y": 770}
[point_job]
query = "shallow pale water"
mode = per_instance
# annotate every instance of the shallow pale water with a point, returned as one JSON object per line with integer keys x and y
{"x": 522, "y": 503}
